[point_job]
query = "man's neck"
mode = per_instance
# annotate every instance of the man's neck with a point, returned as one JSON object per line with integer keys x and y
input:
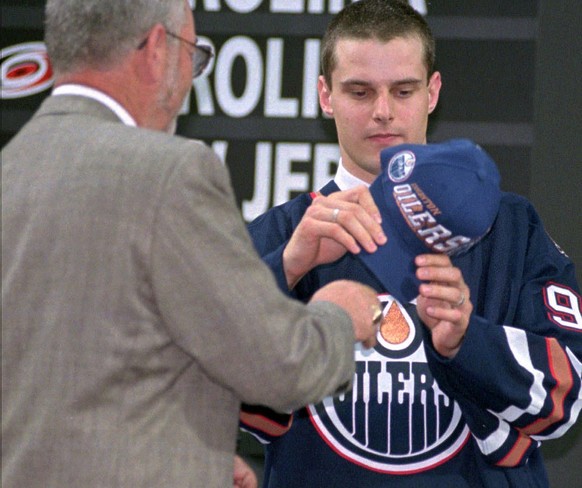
{"x": 121, "y": 84}
{"x": 346, "y": 180}
{"x": 94, "y": 94}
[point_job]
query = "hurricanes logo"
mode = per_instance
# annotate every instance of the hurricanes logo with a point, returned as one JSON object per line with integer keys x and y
{"x": 26, "y": 70}
{"x": 396, "y": 419}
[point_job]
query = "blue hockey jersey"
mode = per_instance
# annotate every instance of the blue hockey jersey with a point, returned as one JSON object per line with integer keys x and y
{"x": 415, "y": 418}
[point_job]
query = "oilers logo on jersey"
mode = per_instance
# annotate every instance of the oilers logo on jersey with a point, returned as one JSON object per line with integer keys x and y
{"x": 396, "y": 419}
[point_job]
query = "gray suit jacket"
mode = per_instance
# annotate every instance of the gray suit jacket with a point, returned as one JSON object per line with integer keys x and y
{"x": 136, "y": 313}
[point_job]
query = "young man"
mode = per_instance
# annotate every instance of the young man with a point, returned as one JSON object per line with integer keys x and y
{"x": 136, "y": 313}
{"x": 468, "y": 378}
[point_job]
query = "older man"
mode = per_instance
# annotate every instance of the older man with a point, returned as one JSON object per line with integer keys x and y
{"x": 136, "y": 313}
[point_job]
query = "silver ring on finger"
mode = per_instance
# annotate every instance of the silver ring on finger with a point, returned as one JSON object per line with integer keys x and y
{"x": 334, "y": 215}
{"x": 461, "y": 301}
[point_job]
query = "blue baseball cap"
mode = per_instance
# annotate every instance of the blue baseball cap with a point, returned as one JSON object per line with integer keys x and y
{"x": 433, "y": 198}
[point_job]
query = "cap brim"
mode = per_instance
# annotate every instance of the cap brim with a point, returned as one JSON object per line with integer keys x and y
{"x": 393, "y": 262}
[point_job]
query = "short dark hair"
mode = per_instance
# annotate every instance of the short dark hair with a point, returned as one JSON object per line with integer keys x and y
{"x": 376, "y": 19}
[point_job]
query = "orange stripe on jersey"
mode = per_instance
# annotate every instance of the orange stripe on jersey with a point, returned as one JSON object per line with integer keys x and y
{"x": 561, "y": 372}
{"x": 514, "y": 456}
{"x": 560, "y": 368}
{"x": 264, "y": 424}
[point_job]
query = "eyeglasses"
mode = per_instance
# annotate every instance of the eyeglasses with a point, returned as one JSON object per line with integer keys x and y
{"x": 201, "y": 55}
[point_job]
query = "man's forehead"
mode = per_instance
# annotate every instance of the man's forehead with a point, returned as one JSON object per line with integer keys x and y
{"x": 411, "y": 42}
{"x": 400, "y": 54}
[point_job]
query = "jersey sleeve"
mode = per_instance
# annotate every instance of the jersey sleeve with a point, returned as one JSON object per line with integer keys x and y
{"x": 271, "y": 232}
{"x": 263, "y": 423}
{"x": 517, "y": 376}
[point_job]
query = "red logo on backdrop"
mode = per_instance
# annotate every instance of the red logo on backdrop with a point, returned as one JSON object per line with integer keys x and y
{"x": 26, "y": 70}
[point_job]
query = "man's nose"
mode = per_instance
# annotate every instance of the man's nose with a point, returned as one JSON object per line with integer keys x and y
{"x": 383, "y": 109}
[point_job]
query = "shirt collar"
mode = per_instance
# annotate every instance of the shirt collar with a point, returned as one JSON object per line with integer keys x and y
{"x": 85, "y": 91}
{"x": 345, "y": 180}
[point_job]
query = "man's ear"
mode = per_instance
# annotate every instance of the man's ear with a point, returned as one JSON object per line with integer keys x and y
{"x": 153, "y": 55}
{"x": 434, "y": 89}
{"x": 324, "y": 92}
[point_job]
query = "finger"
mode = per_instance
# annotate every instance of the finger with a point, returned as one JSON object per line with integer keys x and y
{"x": 325, "y": 206}
{"x": 341, "y": 227}
{"x": 445, "y": 314}
{"x": 362, "y": 196}
{"x": 441, "y": 274}
{"x": 436, "y": 260}
{"x": 313, "y": 228}
{"x": 363, "y": 229}
{"x": 462, "y": 300}
{"x": 370, "y": 343}
{"x": 353, "y": 218}
{"x": 359, "y": 196}
{"x": 324, "y": 209}
{"x": 455, "y": 297}
{"x": 369, "y": 205}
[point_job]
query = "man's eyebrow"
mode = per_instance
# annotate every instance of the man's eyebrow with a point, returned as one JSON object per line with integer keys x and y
{"x": 355, "y": 81}
{"x": 407, "y": 81}
{"x": 365, "y": 83}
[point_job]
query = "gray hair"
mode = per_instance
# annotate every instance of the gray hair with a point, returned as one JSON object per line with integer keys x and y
{"x": 97, "y": 33}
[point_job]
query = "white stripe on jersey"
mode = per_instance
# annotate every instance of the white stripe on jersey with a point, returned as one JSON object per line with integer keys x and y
{"x": 495, "y": 440}
{"x": 517, "y": 340}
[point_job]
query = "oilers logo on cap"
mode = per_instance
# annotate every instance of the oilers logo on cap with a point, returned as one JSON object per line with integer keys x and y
{"x": 401, "y": 165}
{"x": 439, "y": 198}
